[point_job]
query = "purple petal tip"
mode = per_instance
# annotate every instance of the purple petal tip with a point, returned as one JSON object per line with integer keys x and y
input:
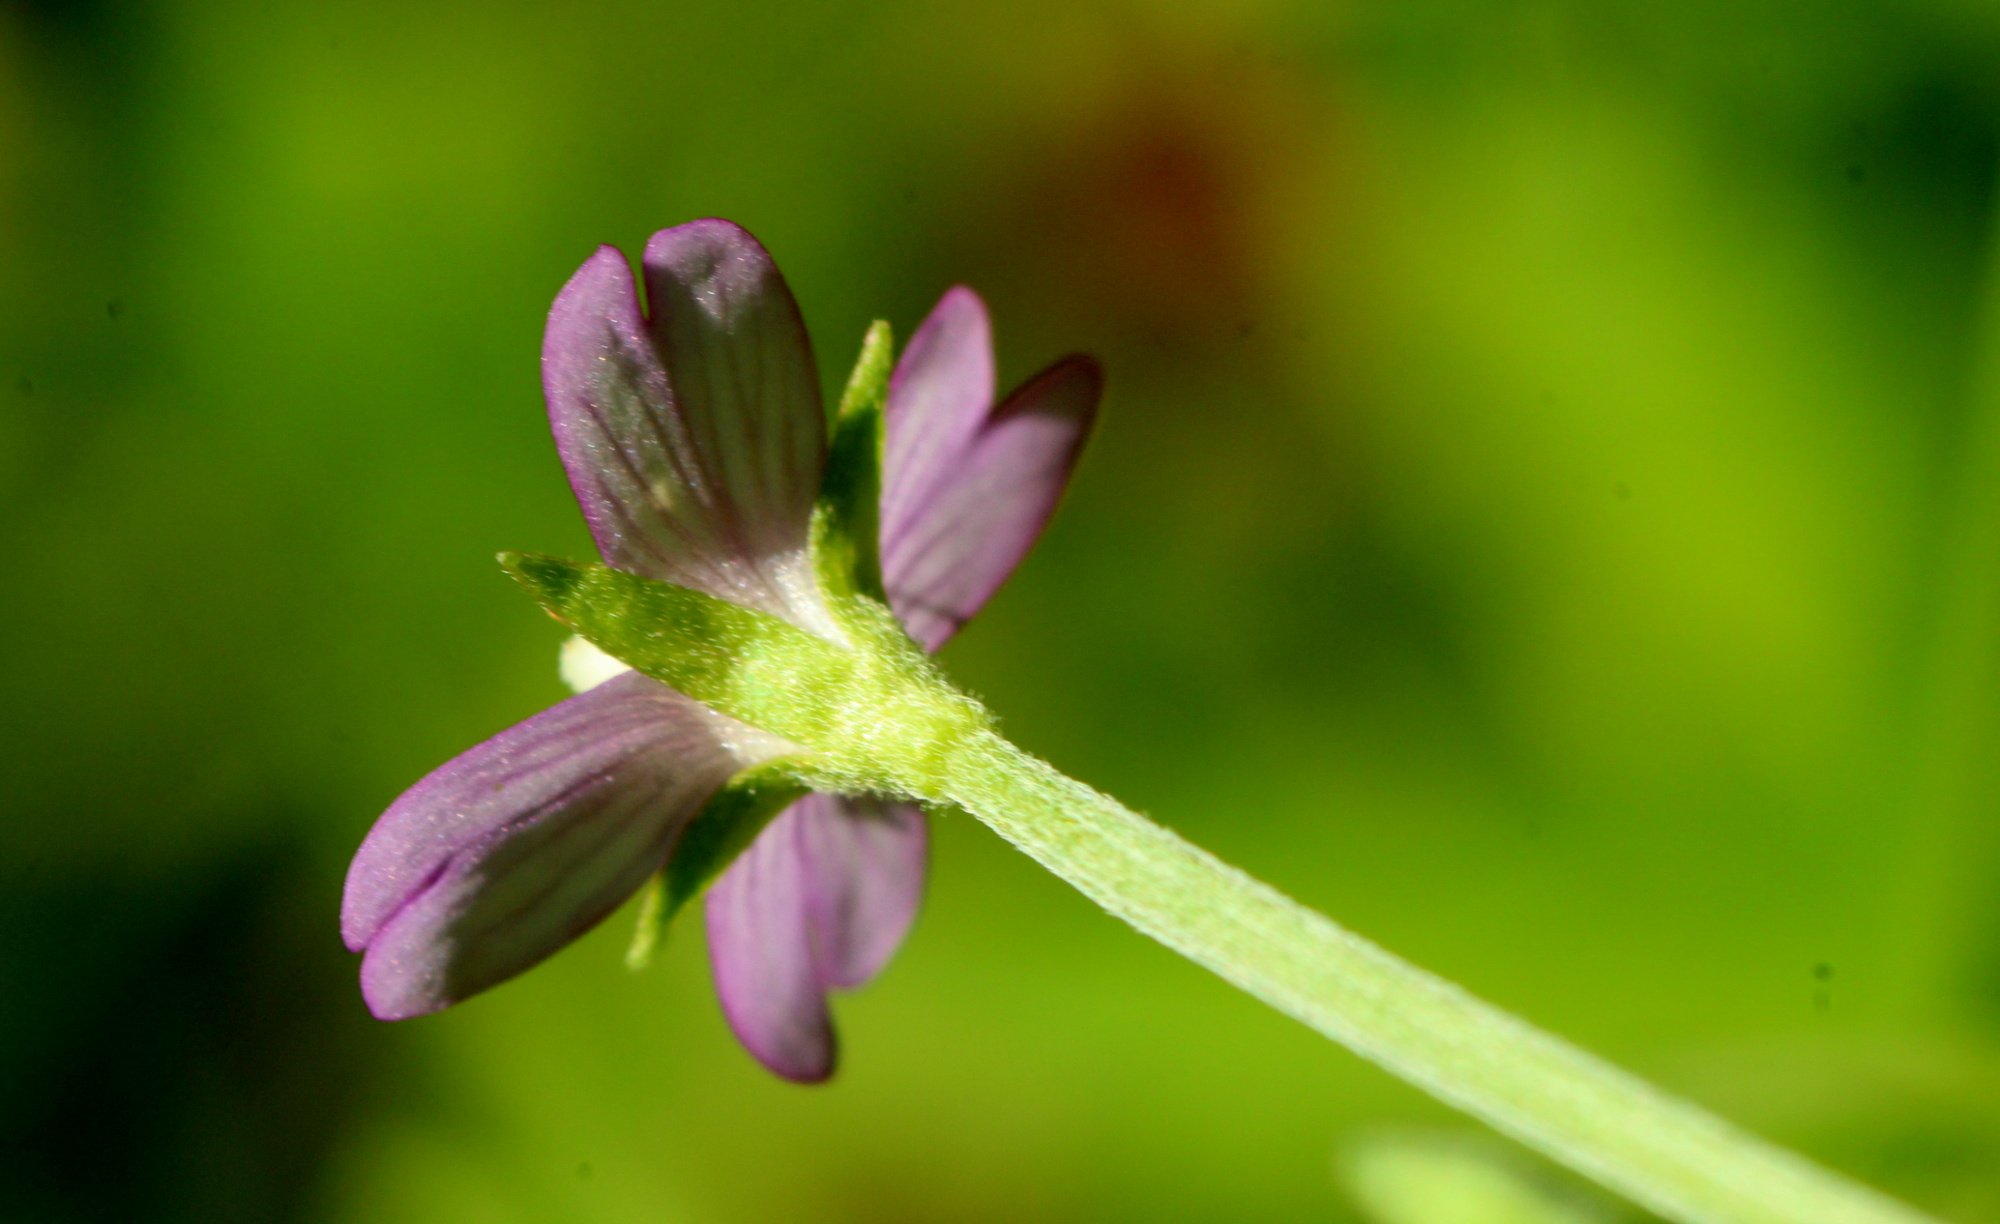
{"x": 388, "y": 996}
{"x": 709, "y": 246}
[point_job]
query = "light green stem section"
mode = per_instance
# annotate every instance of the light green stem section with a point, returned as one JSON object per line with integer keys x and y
{"x": 1665, "y": 1154}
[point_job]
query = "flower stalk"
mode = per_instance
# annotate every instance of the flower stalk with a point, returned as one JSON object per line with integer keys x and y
{"x": 895, "y": 725}
{"x": 776, "y": 594}
{"x": 1580, "y": 1111}
{"x": 878, "y": 717}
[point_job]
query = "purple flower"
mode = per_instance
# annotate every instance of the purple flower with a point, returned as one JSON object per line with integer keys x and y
{"x": 694, "y": 438}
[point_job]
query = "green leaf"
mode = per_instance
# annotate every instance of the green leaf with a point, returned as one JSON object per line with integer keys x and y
{"x": 1422, "y": 1178}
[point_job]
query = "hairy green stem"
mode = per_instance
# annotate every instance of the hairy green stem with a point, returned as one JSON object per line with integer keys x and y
{"x": 1663, "y": 1153}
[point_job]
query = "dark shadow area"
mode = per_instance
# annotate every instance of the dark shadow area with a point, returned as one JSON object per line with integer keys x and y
{"x": 173, "y": 1048}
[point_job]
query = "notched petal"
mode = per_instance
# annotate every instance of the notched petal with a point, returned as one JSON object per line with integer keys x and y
{"x": 945, "y": 555}
{"x": 819, "y": 902}
{"x": 513, "y": 849}
{"x": 692, "y": 434}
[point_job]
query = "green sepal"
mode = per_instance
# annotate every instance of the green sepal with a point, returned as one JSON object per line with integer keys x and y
{"x": 872, "y": 715}
{"x": 846, "y": 520}
{"x": 747, "y": 664}
{"x": 724, "y": 828}
{"x": 651, "y": 929}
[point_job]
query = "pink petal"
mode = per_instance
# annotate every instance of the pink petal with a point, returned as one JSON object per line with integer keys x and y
{"x": 819, "y": 902}
{"x": 865, "y": 862}
{"x": 761, "y": 948}
{"x": 939, "y": 394}
{"x": 694, "y": 438}
{"x": 946, "y": 552}
{"x": 737, "y": 352}
{"x": 514, "y": 848}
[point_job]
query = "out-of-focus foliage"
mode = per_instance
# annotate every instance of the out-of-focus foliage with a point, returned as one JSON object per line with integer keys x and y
{"x": 1420, "y": 1178}
{"x": 1547, "y": 515}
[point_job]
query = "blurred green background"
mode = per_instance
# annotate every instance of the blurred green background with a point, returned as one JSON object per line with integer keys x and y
{"x": 1547, "y": 515}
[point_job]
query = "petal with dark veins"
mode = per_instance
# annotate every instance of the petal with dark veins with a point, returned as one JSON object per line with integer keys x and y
{"x": 511, "y": 850}
{"x": 945, "y": 553}
{"x": 693, "y": 436}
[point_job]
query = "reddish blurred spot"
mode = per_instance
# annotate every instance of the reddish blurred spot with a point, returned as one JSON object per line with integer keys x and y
{"x": 1159, "y": 208}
